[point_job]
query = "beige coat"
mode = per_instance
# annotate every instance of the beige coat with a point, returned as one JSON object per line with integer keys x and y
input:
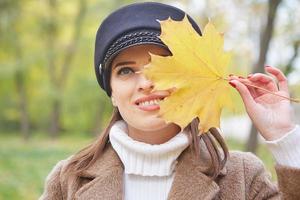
{"x": 244, "y": 177}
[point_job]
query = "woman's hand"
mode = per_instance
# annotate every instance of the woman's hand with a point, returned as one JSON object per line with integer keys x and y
{"x": 272, "y": 115}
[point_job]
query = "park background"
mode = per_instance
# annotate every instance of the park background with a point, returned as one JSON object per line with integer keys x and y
{"x": 51, "y": 105}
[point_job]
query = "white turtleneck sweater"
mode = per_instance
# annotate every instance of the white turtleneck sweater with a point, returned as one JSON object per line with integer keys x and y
{"x": 149, "y": 169}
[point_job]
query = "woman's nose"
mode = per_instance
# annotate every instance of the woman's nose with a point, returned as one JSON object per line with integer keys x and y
{"x": 145, "y": 85}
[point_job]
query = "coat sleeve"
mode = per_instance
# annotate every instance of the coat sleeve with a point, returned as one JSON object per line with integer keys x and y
{"x": 259, "y": 184}
{"x": 288, "y": 181}
{"x": 52, "y": 188}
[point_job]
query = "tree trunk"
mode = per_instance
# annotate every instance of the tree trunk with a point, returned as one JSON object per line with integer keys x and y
{"x": 52, "y": 66}
{"x": 23, "y": 105}
{"x": 289, "y": 67}
{"x": 55, "y": 118}
{"x": 20, "y": 82}
{"x": 59, "y": 79}
{"x": 259, "y": 67}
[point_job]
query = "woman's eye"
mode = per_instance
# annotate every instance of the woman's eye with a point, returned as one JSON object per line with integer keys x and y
{"x": 125, "y": 71}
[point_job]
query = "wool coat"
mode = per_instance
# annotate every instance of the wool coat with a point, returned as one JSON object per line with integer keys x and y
{"x": 243, "y": 177}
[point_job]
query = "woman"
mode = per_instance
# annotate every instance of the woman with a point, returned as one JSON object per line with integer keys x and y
{"x": 139, "y": 156}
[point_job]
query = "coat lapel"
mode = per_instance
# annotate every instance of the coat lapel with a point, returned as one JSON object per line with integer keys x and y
{"x": 191, "y": 179}
{"x": 107, "y": 175}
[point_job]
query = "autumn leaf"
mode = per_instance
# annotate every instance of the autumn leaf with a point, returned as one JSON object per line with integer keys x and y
{"x": 197, "y": 70}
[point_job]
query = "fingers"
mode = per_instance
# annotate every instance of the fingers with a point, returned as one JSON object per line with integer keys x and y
{"x": 256, "y": 81}
{"x": 264, "y": 81}
{"x": 244, "y": 92}
{"x": 249, "y": 84}
{"x": 260, "y": 77}
{"x": 282, "y": 80}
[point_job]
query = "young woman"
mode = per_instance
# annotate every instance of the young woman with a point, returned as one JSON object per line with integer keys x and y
{"x": 139, "y": 156}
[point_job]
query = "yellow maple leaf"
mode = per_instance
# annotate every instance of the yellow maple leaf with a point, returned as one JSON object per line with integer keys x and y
{"x": 197, "y": 70}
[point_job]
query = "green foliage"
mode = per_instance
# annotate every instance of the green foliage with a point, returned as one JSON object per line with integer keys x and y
{"x": 25, "y": 165}
{"x": 33, "y": 35}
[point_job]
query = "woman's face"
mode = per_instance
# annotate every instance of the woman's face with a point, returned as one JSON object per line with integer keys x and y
{"x": 132, "y": 93}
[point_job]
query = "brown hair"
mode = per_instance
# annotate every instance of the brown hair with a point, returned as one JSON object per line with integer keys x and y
{"x": 212, "y": 140}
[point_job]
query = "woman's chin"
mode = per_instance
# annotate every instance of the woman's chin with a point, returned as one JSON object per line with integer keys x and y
{"x": 157, "y": 125}
{"x": 149, "y": 123}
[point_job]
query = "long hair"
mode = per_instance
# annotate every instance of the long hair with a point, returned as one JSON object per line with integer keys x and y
{"x": 212, "y": 140}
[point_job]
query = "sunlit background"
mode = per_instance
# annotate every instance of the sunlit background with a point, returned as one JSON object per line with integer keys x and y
{"x": 51, "y": 105}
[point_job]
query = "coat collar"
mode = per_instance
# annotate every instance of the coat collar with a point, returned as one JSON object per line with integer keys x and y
{"x": 191, "y": 179}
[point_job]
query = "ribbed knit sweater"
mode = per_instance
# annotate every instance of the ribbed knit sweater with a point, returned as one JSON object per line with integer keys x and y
{"x": 149, "y": 169}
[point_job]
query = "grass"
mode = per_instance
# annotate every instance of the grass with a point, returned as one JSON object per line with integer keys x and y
{"x": 25, "y": 165}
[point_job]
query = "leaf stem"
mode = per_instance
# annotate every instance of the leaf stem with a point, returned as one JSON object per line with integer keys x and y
{"x": 268, "y": 91}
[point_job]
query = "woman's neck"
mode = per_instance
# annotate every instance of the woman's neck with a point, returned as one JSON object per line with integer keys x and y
{"x": 154, "y": 137}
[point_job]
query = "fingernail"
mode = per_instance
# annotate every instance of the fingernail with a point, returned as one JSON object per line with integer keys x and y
{"x": 267, "y": 66}
{"x": 232, "y": 84}
{"x": 249, "y": 75}
{"x": 240, "y": 77}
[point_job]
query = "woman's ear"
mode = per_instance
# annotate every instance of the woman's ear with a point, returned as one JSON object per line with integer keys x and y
{"x": 113, "y": 101}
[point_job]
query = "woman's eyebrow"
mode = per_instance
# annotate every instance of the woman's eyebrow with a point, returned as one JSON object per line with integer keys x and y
{"x": 124, "y": 63}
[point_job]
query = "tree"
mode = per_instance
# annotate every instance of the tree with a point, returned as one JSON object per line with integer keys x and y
{"x": 58, "y": 75}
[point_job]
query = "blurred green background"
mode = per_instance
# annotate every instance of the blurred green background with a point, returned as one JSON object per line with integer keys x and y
{"x": 51, "y": 105}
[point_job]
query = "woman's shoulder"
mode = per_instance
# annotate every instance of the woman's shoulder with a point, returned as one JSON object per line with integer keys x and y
{"x": 61, "y": 170}
{"x": 245, "y": 161}
{"x": 246, "y": 157}
{"x": 52, "y": 185}
{"x": 56, "y": 171}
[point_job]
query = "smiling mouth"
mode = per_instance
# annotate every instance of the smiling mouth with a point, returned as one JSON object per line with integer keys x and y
{"x": 152, "y": 102}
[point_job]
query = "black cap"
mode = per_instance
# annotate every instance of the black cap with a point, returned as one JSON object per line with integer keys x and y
{"x": 129, "y": 26}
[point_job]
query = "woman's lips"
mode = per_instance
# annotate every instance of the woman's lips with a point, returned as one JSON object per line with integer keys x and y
{"x": 149, "y": 107}
{"x": 149, "y": 103}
